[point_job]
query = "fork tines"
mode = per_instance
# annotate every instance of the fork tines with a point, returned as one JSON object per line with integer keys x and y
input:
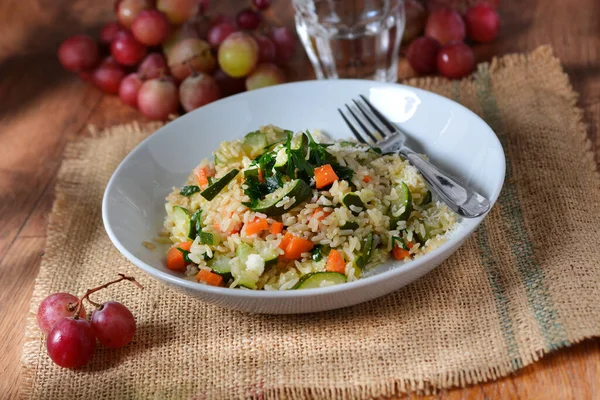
{"x": 369, "y": 120}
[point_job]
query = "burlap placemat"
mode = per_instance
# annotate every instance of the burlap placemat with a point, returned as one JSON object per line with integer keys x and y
{"x": 526, "y": 283}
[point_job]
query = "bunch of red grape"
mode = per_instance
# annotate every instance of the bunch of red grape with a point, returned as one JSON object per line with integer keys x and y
{"x": 166, "y": 56}
{"x": 442, "y": 48}
{"x": 71, "y": 338}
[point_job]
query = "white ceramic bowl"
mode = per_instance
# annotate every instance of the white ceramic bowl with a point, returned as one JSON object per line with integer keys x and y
{"x": 452, "y": 136}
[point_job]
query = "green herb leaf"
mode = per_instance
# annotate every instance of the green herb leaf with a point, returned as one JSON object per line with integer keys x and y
{"x": 196, "y": 223}
{"x": 400, "y": 241}
{"x": 186, "y": 254}
{"x": 189, "y": 190}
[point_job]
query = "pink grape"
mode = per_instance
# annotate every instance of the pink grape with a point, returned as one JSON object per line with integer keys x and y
{"x": 71, "y": 343}
{"x": 248, "y": 19}
{"x": 266, "y": 49}
{"x": 197, "y": 90}
{"x": 108, "y": 76}
{"x": 129, "y": 88}
{"x": 261, "y": 4}
{"x": 422, "y": 54}
{"x": 188, "y": 55}
{"x": 203, "y": 6}
{"x": 228, "y": 84}
{"x": 126, "y": 50}
{"x": 219, "y": 32}
{"x": 78, "y": 53}
{"x": 109, "y": 32}
{"x": 56, "y": 307}
{"x": 265, "y": 75}
{"x": 285, "y": 43}
{"x": 445, "y": 25}
{"x": 113, "y": 324}
{"x": 238, "y": 54}
{"x": 177, "y": 34}
{"x": 150, "y": 27}
{"x": 455, "y": 60}
{"x": 153, "y": 66}
{"x": 158, "y": 98}
{"x": 127, "y": 10}
{"x": 178, "y": 11}
{"x": 482, "y": 22}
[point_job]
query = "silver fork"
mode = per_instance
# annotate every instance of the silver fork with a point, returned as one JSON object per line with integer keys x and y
{"x": 461, "y": 199}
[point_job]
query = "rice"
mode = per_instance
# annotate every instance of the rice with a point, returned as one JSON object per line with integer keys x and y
{"x": 321, "y": 222}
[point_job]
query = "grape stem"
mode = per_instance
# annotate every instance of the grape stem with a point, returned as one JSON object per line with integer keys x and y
{"x": 86, "y": 296}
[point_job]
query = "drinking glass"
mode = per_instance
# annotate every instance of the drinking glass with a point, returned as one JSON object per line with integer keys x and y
{"x": 351, "y": 38}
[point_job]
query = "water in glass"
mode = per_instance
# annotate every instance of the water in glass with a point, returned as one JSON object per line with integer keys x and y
{"x": 351, "y": 38}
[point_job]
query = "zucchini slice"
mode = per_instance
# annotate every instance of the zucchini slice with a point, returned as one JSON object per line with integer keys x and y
{"x": 183, "y": 222}
{"x": 215, "y": 188}
{"x": 353, "y": 202}
{"x": 320, "y": 279}
{"x": 297, "y": 189}
{"x": 404, "y": 200}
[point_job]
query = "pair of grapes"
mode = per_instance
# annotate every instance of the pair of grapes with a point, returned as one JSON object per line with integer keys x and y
{"x": 442, "y": 48}
{"x": 167, "y": 54}
{"x": 71, "y": 338}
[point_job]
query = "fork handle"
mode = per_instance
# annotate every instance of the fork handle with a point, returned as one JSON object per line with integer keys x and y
{"x": 462, "y": 200}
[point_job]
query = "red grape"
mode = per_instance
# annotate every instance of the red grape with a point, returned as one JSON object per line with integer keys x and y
{"x": 197, "y": 90}
{"x": 56, "y": 307}
{"x": 127, "y": 10}
{"x": 416, "y": 16}
{"x": 126, "y": 50}
{"x": 482, "y": 22}
{"x": 248, "y": 19}
{"x": 422, "y": 54}
{"x": 266, "y": 49}
{"x": 265, "y": 75}
{"x": 190, "y": 54}
{"x": 86, "y": 76}
{"x": 238, "y": 54}
{"x": 78, "y": 53}
{"x": 228, "y": 84}
{"x": 129, "y": 88}
{"x": 445, "y": 25}
{"x": 179, "y": 33}
{"x": 71, "y": 343}
{"x": 203, "y": 6}
{"x": 178, "y": 11}
{"x": 261, "y": 4}
{"x": 455, "y": 60}
{"x": 285, "y": 43}
{"x": 158, "y": 98}
{"x": 219, "y": 32}
{"x": 108, "y": 76}
{"x": 150, "y": 27}
{"x": 113, "y": 324}
{"x": 109, "y": 32}
{"x": 153, "y": 66}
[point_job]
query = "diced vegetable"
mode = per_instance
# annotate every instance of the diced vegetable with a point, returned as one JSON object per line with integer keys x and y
{"x": 207, "y": 238}
{"x": 365, "y": 252}
{"x": 281, "y": 158}
{"x": 175, "y": 257}
{"x": 399, "y": 253}
{"x": 320, "y": 213}
{"x": 183, "y": 223}
{"x": 209, "y": 277}
{"x": 213, "y": 190}
{"x": 320, "y": 279}
{"x": 255, "y": 226}
{"x": 353, "y": 202}
{"x": 294, "y": 246}
{"x": 220, "y": 264}
{"x": 404, "y": 200}
{"x": 202, "y": 175}
{"x": 367, "y": 178}
{"x": 349, "y": 225}
{"x": 276, "y": 227}
{"x": 318, "y": 252}
{"x": 325, "y": 176}
{"x": 335, "y": 262}
{"x": 254, "y": 143}
{"x": 296, "y": 189}
{"x": 427, "y": 199}
{"x": 189, "y": 190}
{"x": 196, "y": 222}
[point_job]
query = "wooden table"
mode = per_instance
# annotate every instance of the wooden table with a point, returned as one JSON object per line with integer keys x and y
{"x": 42, "y": 106}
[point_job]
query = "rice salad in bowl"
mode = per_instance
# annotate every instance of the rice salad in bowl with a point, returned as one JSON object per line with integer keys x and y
{"x": 279, "y": 210}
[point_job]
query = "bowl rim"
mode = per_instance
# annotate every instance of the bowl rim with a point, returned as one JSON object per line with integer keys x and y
{"x": 466, "y": 227}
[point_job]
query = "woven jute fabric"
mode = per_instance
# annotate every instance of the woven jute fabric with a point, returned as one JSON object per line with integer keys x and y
{"x": 526, "y": 283}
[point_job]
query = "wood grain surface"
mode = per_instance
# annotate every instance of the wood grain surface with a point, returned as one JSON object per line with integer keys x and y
{"x": 42, "y": 106}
